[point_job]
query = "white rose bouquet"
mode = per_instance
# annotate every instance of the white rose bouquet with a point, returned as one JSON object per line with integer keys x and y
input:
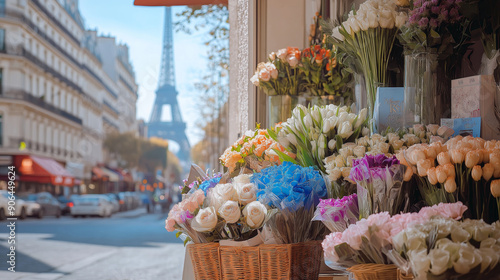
{"x": 444, "y": 248}
{"x": 228, "y": 211}
{"x": 367, "y": 37}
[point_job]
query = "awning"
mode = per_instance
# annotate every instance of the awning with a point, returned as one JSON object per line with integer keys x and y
{"x": 98, "y": 174}
{"x": 113, "y": 176}
{"x": 43, "y": 170}
{"x": 178, "y": 2}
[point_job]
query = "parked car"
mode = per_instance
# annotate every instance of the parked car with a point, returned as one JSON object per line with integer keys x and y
{"x": 19, "y": 207}
{"x": 92, "y": 204}
{"x": 114, "y": 202}
{"x": 66, "y": 204}
{"x": 33, "y": 209}
{"x": 49, "y": 204}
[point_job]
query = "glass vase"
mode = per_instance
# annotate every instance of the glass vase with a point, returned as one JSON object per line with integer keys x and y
{"x": 427, "y": 90}
{"x": 280, "y": 107}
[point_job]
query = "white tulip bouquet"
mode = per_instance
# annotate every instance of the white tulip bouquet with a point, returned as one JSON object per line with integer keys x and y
{"x": 367, "y": 37}
{"x": 316, "y": 132}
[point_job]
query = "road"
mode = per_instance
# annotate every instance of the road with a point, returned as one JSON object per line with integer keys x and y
{"x": 128, "y": 246}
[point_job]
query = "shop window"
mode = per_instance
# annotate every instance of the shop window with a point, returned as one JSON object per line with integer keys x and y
{"x": 2, "y": 39}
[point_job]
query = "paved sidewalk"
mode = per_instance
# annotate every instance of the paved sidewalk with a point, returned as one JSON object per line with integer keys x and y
{"x": 131, "y": 213}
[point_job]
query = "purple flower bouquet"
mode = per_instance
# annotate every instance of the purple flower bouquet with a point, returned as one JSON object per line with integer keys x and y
{"x": 338, "y": 213}
{"x": 379, "y": 182}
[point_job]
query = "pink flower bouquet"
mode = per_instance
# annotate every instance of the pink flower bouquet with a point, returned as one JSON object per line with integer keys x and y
{"x": 368, "y": 239}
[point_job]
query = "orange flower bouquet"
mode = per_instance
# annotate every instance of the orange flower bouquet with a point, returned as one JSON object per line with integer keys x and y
{"x": 255, "y": 150}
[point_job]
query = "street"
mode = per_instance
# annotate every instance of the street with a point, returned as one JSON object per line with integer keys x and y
{"x": 130, "y": 245}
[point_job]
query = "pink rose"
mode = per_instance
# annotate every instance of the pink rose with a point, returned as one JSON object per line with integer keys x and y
{"x": 450, "y": 210}
{"x": 191, "y": 205}
{"x": 199, "y": 196}
{"x": 264, "y": 75}
{"x": 292, "y": 60}
{"x": 169, "y": 225}
{"x": 332, "y": 240}
{"x": 354, "y": 233}
{"x": 272, "y": 70}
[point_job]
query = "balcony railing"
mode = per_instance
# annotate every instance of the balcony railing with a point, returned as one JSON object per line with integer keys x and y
{"x": 37, "y": 101}
{"x": 127, "y": 85}
{"x": 111, "y": 107}
{"x": 100, "y": 81}
{"x": 56, "y": 21}
{"x": 110, "y": 123}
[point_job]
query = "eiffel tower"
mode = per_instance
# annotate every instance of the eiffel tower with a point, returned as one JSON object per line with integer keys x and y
{"x": 172, "y": 127}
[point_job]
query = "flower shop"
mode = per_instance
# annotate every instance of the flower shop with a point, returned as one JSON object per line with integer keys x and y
{"x": 366, "y": 145}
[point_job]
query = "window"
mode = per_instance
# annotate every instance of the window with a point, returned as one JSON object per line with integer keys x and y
{"x": 2, "y": 8}
{"x": 2, "y": 40}
{"x": 1, "y": 81}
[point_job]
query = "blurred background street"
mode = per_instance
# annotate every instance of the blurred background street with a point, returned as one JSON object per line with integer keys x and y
{"x": 128, "y": 245}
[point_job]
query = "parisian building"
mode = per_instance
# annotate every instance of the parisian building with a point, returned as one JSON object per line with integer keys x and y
{"x": 62, "y": 89}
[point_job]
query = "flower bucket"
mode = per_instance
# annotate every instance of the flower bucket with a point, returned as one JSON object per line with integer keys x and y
{"x": 373, "y": 271}
{"x": 280, "y": 106}
{"x": 284, "y": 261}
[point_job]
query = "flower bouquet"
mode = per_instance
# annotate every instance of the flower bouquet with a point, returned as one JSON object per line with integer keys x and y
{"x": 294, "y": 191}
{"x": 366, "y": 241}
{"x": 338, "y": 165}
{"x": 255, "y": 150}
{"x": 367, "y": 37}
{"x": 465, "y": 169}
{"x": 443, "y": 248}
{"x": 322, "y": 75}
{"x": 316, "y": 132}
{"x": 279, "y": 76}
{"x": 338, "y": 213}
{"x": 380, "y": 185}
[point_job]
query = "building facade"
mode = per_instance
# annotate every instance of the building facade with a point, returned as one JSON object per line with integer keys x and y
{"x": 62, "y": 87}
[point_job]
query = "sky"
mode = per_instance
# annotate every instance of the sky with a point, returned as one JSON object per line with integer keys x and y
{"x": 141, "y": 28}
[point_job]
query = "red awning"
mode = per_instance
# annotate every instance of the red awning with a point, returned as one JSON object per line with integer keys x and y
{"x": 43, "y": 170}
{"x": 98, "y": 174}
{"x": 178, "y": 2}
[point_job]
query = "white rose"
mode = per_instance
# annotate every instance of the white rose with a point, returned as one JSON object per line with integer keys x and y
{"x": 292, "y": 60}
{"x": 361, "y": 118}
{"x": 205, "y": 220}
{"x": 439, "y": 260}
{"x": 254, "y": 213}
{"x": 334, "y": 174}
{"x": 246, "y": 193}
{"x": 359, "y": 151}
{"x": 230, "y": 211}
{"x": 222, "y": 193}
{"x": 242, "y": 179}
{"x": 264, "y": 75}
{"x": 272, "y": 56}
{"x": 336, "y": 34}
{"x": 346, "y": 130}
{"x": 281, "y": 54}
{"x": 272, "y": 70}
{"x": 397, "y": 144}
{"x": 458, "y": 234}
{"x": 255, "y": 80}
{"x": 466, "y": 258}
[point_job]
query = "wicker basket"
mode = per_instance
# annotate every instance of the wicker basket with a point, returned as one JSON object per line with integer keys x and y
{"x": 288, "y": 261}
{"x": 205, "y": 259}
{"x": 374, "y": 271}
{"x": 401, "y": 276}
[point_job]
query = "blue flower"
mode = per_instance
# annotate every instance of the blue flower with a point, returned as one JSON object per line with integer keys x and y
{"x": 208, "y": 184}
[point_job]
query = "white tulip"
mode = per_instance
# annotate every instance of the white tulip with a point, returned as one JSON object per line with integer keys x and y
{"x": 401, "y": 19}
{"x": 341, "y": 119}
{"x": 336, "y": 34}
{"x": 332, "y": 144}
{"x": 291, "y": 138}
{"x": 439, "y": 259}
{"x": 361, "y": 118}
{"x": 354, "y": 23}
{"x": 351, "y": 117}
{"x": 316, "y": 114}
{"x": 334, "y": 174}
{"x": 371, "y": 18}
{"x": 346, "y": 130}
{"x": 308, "y": 121}
{"x": 420, "y": 263}
{"x": 326, "y": 125}
{"x": 386, "y": 19}
{"x": 255, "y": 80}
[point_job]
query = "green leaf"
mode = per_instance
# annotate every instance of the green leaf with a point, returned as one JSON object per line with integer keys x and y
{"x": 272, "y": 134}
{"x": 339, "y": 142}
{"x": 186, "y": 241}
{"x": 178, "y": 234}
{"x": 434, "y": 34}
{"x": 284, "y": 157}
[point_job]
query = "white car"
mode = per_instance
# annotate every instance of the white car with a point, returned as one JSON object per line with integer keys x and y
{"x": 91, "y": 204}
{"x": 20, "y": 208}
{"x": 33, "y": 209}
